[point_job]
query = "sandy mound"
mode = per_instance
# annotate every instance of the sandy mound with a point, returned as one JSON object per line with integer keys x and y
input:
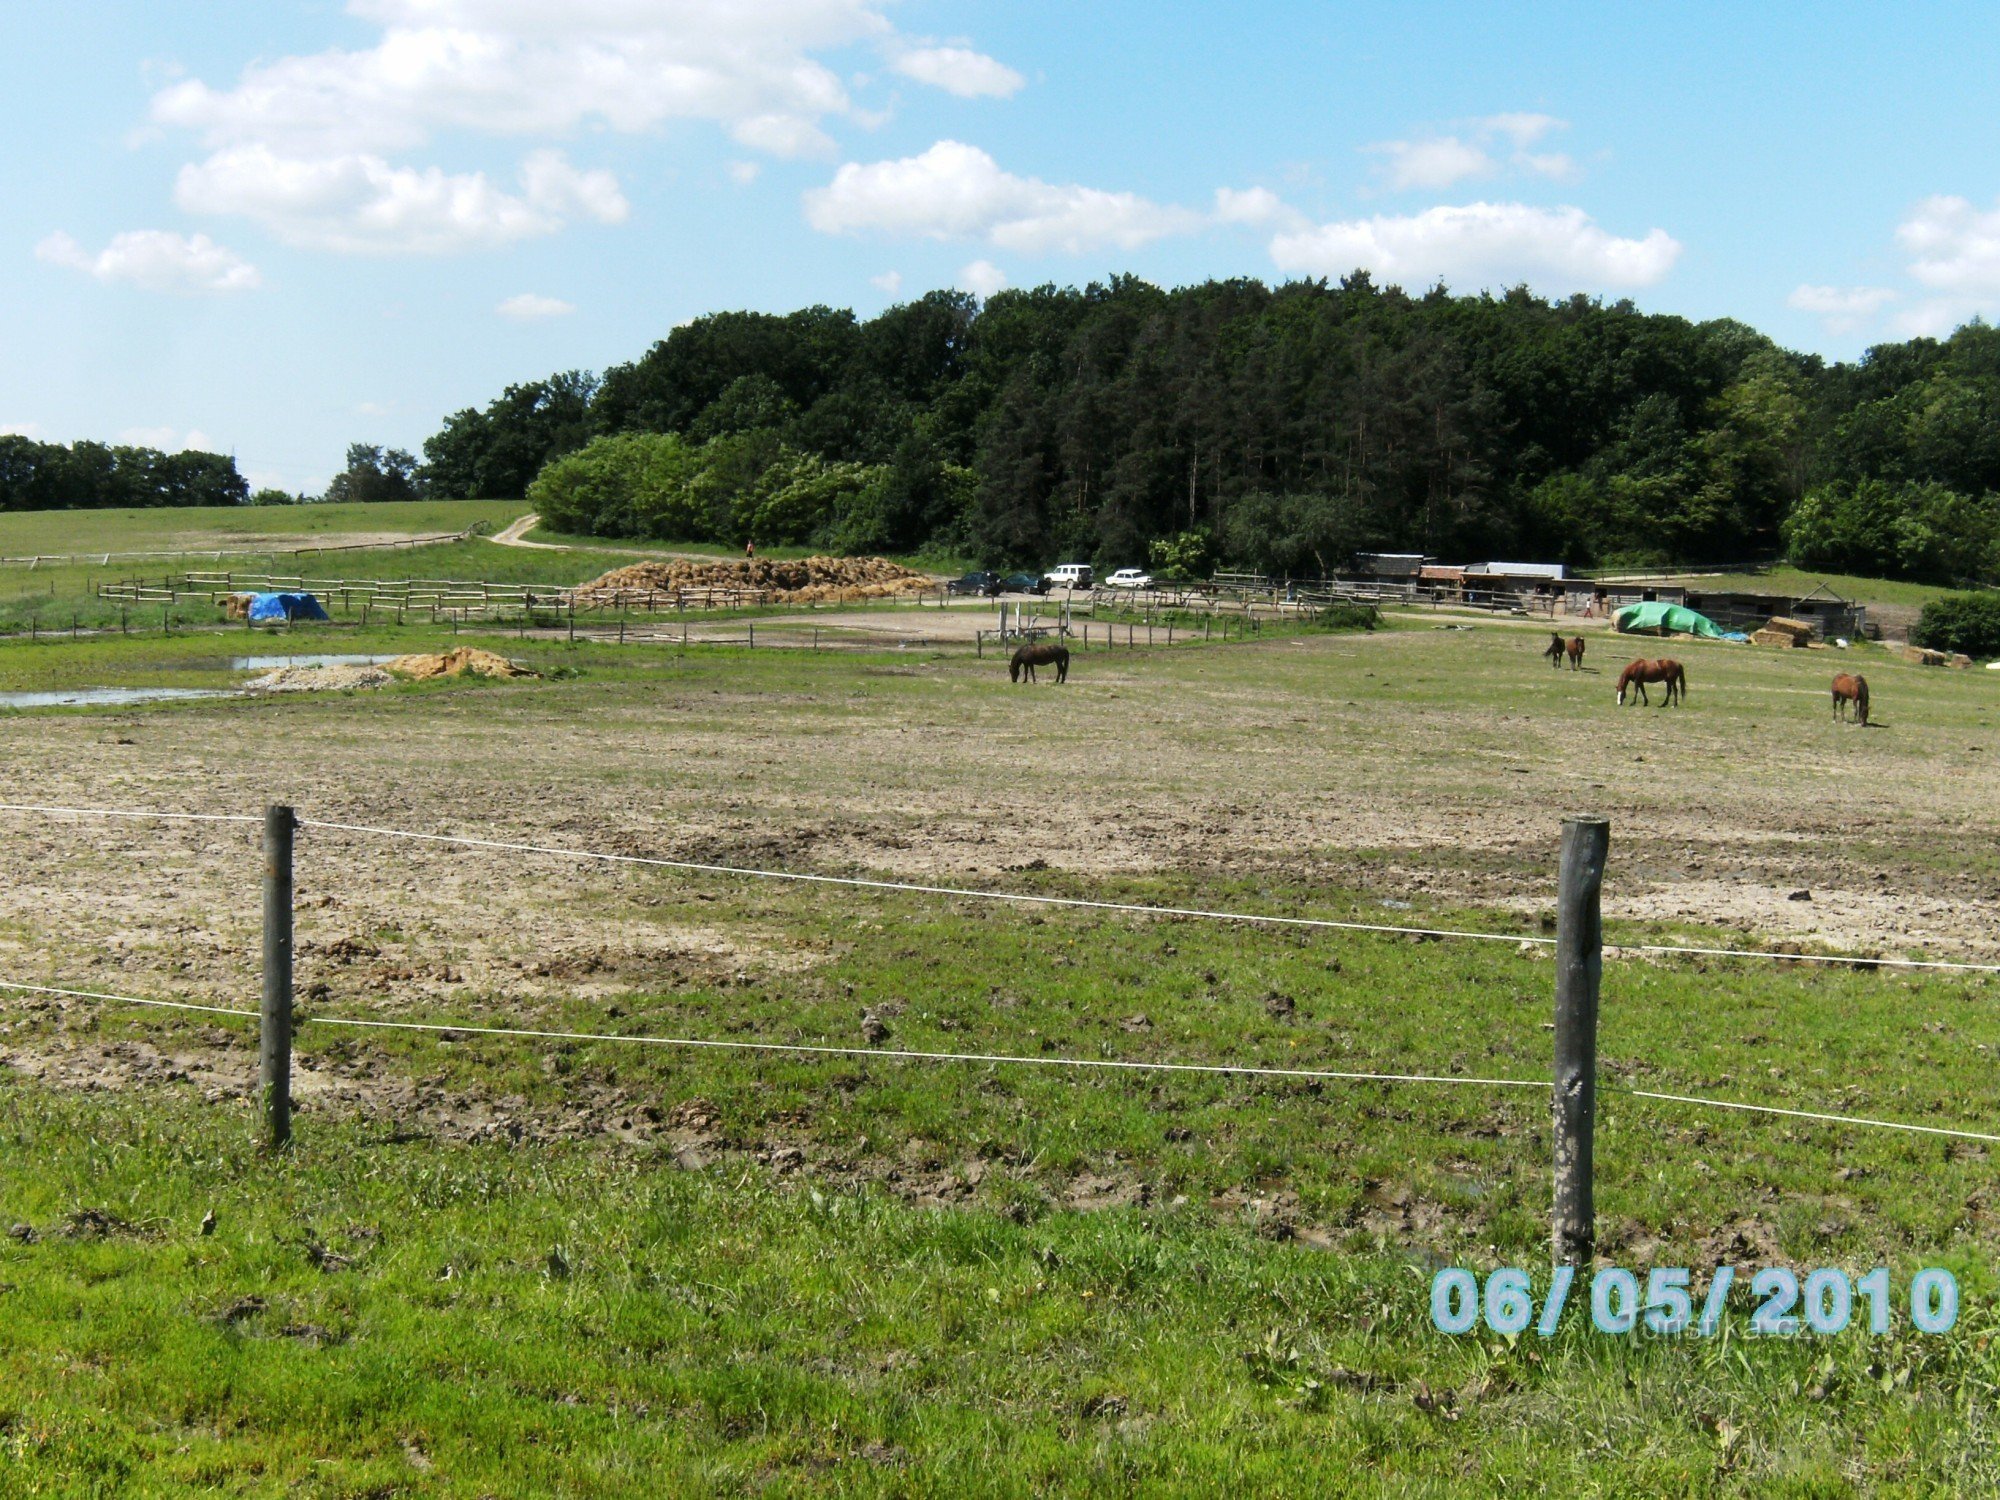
{"x": 467, "y": 660}
{"x": 809, "y": 580}
{"x": 319, "y": 679}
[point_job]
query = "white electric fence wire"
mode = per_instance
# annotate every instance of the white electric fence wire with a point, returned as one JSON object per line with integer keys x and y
{"x": 1806, "y": 1114}
{"x": 858, "y": 882}
{"x": 124, "y": 812}
{"x": 49, "y": 989}
{"x": 1028, "y": 898}
{"x": 995, "y": 1058}
{"x": 958, "y": 1057}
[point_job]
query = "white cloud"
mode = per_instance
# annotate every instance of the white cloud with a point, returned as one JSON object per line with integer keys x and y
{"x": 1842, "y": 308}
{"x": 889, "y": 281}
{"x": 21, "y": 429}
{"x": 1435, "y": 163}
{"x": 1955, "y": 247}
{"x": 156, "y": 260}
{"x": 982, "y": 278}
{"x": 168, "y": 439}
{"x": 363, "y": 204}
{"x": 515, "y": 67}
{"x": 1522, "y": 129}
{"x": 373, "y": 409}
{"x": 333, "y": 127}
{"x": 1256, "y": 207}
{"x": 1488, "y": 146}
{"x": 528, "y": 307}
{"x": 955, "y": 191}
{"x": 960, "y": 71}
{"x": 1480, "y": 244}
{"x": 744, "y": 172}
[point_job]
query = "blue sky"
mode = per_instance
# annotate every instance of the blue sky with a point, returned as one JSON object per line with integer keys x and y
{"x": 276, "y": 228}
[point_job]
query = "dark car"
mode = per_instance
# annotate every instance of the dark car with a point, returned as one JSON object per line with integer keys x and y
{"x": 1024, "y": 583}
{"x": 982, "y": 585}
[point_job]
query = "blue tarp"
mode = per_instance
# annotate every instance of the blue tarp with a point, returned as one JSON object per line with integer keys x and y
{"x": 269, "y": 608}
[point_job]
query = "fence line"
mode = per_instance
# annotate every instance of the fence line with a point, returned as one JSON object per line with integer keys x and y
{"x": 1134, "y": 908}
{"x": 49, "y": 989}
{"x": 1007, "y": 1059}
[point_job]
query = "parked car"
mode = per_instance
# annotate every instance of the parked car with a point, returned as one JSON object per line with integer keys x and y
{"x": 980, "y": 585}
{"x": 1130, "y": 578}
{"x": 1024, "y": 583}
{"x": 1069, "y": 576}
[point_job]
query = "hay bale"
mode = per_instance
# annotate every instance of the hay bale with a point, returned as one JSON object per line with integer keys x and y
{"x": 236, "y": 606}
{"x": 1799, "y": 630}
{"x": 1921, "y": 656}
{"x": 1769, "y": 637}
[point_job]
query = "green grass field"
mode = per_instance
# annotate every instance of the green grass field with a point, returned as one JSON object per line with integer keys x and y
{"x": 501, "y": 1265}
{"x": 245, "y": 529}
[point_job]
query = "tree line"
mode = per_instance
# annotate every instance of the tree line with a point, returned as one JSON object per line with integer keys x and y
{"x": 1282, "y": 428}
{"x": 101, "y": 476}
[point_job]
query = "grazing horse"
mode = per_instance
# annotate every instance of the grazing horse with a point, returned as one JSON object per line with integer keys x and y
{"x": 1637, "y": 674}
{"x": 1040, "y": 654}
{"x": 1575, "y": 650}
{"x": 1848, "y": 688}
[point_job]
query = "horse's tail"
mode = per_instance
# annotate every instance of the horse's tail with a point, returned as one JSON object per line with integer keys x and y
{"x": 1681, "y": 680}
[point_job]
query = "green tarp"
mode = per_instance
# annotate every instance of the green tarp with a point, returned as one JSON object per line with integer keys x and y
{"x": 1675, "y": 618}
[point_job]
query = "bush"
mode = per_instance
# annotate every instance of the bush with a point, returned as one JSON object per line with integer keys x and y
{"x": 1348, "y": 617}
{"x": 1960, "y": 622}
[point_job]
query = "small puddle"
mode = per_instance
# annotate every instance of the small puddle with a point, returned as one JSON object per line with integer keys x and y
{"x": 321, "y": 659}
{"x": 113, "y": 696}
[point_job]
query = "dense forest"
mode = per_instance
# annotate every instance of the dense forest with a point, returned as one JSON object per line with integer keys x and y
{"x": 1278, "y": 427}
{"x": 98, "y": 476}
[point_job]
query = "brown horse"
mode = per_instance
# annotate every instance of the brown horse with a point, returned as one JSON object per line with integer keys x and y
{"x": 1040, "y": 654}
{"x": 1637, "y": 674}
{"x": 1847, "y": 689}
{"x": 1575, "y": 650}
{"x": 1555, "y": 648}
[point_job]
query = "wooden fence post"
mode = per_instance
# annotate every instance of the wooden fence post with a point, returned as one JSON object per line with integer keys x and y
{"x": 274, "y": 1053}
{"x": 1579, "y": 969}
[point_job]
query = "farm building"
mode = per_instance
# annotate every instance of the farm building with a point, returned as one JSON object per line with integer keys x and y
{"x": 1390, "y": 567}
{"x": 1828, "y": 613}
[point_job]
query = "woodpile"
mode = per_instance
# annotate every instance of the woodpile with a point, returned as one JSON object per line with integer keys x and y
{"x": 807, "y": 580}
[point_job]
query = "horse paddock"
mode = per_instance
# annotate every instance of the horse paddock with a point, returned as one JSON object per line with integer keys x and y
{"x": 1413, "y": 776}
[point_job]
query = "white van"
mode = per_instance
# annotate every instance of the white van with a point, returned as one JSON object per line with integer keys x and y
{"x": 1069, "y": 576}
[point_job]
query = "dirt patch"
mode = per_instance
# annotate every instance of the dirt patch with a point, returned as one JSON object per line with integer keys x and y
{"x": 332, "y": 678}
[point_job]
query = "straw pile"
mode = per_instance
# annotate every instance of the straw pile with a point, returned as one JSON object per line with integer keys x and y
{"x": 466, "y": 661}
{"x": 237, "y": 606}
{"x": 1780, "y": 631}
{"x": 809, "y": 580}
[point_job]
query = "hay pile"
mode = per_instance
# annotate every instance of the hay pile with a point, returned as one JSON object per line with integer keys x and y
{"x": 466, "y": 661}
{"x": 236, "y": 606}
{"x": 808, "y": 580}
{"x": 1783, "y": 632}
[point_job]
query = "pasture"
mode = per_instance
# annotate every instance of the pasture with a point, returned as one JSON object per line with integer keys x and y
{"x": 500, "y": 1263}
